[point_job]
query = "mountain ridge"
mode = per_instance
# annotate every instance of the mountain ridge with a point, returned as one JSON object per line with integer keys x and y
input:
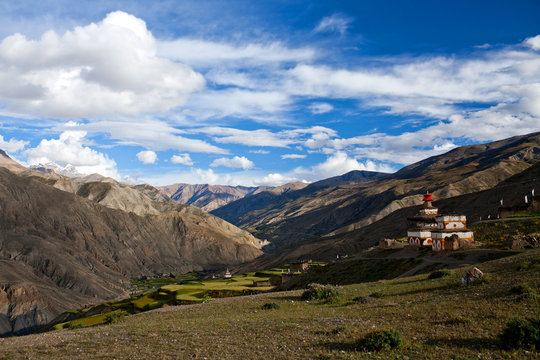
{"x": 64, "y": 249}
{"x": 210, "y": 197}
{"x": 331, "y": 209}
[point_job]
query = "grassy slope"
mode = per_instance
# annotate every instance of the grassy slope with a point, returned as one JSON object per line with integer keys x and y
{"x": 437, "y": 318}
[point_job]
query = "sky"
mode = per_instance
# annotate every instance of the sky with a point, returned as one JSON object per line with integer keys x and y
{"x": 261, "y": 92}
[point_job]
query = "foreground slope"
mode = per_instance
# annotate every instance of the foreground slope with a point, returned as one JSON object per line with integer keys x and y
{"x": 352, "y": 202}
{"x": 58, "y": 249}
{"x": 437, "y": 319}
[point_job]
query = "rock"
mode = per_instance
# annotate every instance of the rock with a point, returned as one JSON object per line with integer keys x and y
{"x": 391, "y": 244}
{"x": 471, "y": 276}
{"x": 522, "y": 241}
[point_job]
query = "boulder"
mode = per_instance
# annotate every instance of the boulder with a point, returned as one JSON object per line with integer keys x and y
{"x": 473, "y": 275}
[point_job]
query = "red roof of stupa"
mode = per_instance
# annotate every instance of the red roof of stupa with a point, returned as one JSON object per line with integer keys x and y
{"x": 428, "y": 197}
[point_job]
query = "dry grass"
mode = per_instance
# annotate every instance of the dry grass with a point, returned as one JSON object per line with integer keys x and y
{"x": 437, "y": 318}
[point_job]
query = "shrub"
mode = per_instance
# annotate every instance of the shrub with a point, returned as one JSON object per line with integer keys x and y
{"x": 439, "y": 274}
{"x": 376, "y": 295}
{"x": 521, "y": 333}
{"x": 270, "y": 306}
{"x": 206, "y": 299}
{"x": 114, "y": 317}
{"x": 327, "y": 293}
{"x": 381, "y": 340}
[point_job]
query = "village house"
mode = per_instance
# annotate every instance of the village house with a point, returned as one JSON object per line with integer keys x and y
{"x": 429, "y": 228}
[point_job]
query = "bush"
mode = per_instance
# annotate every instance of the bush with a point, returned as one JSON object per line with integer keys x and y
{"x": 327, "y": 293}
{"x": 376, "y": 295}
{"x": 206, "y": 299}
{"x": 439, "y": 274}
{"x": 270, "y": 306}
{"x": 114, "y": 317}
{"x": 381, "y": 340}
{"x": 521, "y": 333}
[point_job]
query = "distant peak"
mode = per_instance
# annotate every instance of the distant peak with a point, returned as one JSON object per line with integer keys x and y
{"x": 68, "y": 170}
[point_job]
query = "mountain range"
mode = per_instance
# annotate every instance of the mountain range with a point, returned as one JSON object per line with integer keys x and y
{"x": 211, "y": 197}
{"x": 67, "y": 242}
{"x": 343, "y": 204}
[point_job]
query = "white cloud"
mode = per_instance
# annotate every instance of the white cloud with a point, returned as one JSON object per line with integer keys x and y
{"x": 70, "y": 149}
{"x": 183, "y": 159}
{"x": 151, "y": 134}
{"x": 293, "y": 156}
{"x": 258, "y": 105}
{"x": 274, "y": 179}
{"x": 260, "y": 137}
{"x": 264, "y": 152}
{"x": 104, "y": 68}
{"x": 13, "y": 145}
{"x": 337, "y": 22}
{"x": 198, "y": 52}
{"x": 533, "y": 42}
{"x": 320, "y": 108}
{"x": 235, "y": 162}
{"x": 339, "y": 163}
{"x": 147, "y": 157}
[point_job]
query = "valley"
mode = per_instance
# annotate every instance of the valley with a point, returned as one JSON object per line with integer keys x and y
{"x": 78, "y": 243}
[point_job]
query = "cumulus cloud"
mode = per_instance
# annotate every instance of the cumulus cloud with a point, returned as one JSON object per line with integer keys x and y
{"x": 274, "y": 179}
{"x": 339, "y": 163}
{"x": 183, "y": 159}
{"x": 104, "y": 68}
{"x": 147, "y": 157}
{"x": 533, "y": 42}
{"x": 235, "y": 162}
{"x": 334, "y": 23}
{"x": 70, "y": 149}
{"x": 293, "y": 156}
{"x": 13, "y": 145}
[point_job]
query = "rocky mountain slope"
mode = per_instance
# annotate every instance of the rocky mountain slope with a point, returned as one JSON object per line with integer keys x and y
{"x": 139, "y": 199}
{"x": 211, "y": 197}
{"x": 475, "y": 205}
{"x": 341, "y": 205}
{"x": 60, "y": 249}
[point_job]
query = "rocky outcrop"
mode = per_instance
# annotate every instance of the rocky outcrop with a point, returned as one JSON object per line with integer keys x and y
{"x": 523, "y": 241}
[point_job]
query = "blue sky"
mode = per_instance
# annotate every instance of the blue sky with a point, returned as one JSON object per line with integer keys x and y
{"x": 262, "y": 92}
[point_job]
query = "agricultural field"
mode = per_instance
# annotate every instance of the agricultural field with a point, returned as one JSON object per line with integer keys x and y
{"x": 434, "y": 316}
{"x": 159, "y": 292}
